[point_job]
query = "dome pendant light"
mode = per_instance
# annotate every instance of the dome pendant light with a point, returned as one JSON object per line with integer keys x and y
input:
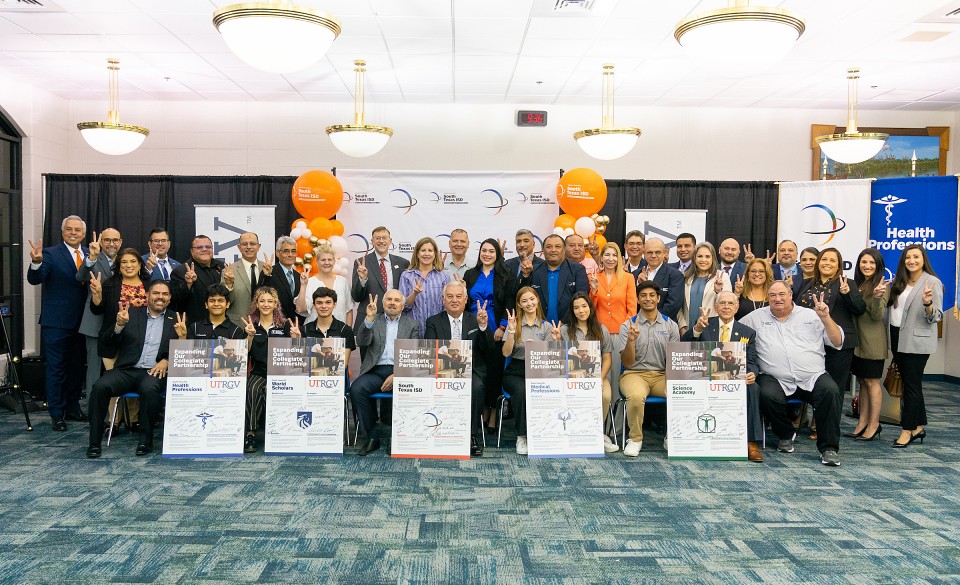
{"x": 607, "y": 142}
{"x": 112, "y": 137}
{"x": 359, "y": 139}
{"x": 852, "y": 146}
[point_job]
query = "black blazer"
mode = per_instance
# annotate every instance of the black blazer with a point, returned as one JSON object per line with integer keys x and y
{"x": 438, "y": 327}
{"x": 513, "y": 265}
{"x": 738, "y": 333}
{"x": 374, "y": 286}
{"x": 797, "y": 279}
{"x": 191, "y": 299}
{"x": 573, "y": 279}
{"x": 671, "y": 290}
{"x": 843, "y": 308}
{"x": 109, "y": 299}
{"x": 288, "y": 298}
{"x": 502, "y": 299}
{"x": 128, "y": 344}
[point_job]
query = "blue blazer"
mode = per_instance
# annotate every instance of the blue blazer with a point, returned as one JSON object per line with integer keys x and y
{"x": 156, "y": 274}
{"x": 573, "y": 278}
{"x": 778, "y": 275}
{"x": 738, "y": 269}
{"x": 63, "y": 297}
{"x": 671, "y": 290}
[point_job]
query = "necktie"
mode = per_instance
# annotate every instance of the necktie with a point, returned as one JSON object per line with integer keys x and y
{"x": 725, "y": 333}
{"x": 163, "y": 270}
{"x": 456, "y": 330}
{"x": 79, "y": 258}
{"x": 253, "y": 279}
{"x": 290, "y": 280}
{"x": 727, "y": 270}
{"x": 383, "y": 274}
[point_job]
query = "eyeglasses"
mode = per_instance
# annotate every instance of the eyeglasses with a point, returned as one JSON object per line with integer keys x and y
{"x": 288, "y": 250}
{"x": 204, "y": 247}
{"x": 727, "y": 303}
{"x": 249, "y": 244}
{"x": 111, "y": 240}
{"x": 758, "y": 272}
{"x": 159, "y": 241}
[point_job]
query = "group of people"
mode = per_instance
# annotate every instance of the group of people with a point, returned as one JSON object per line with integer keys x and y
{"x": 807, "y": 328}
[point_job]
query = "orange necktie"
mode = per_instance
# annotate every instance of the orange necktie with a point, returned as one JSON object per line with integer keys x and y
{"x": 79, "y": 258}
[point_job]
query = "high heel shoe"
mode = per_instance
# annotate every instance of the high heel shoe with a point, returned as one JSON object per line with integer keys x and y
{"x": 863, "y": 437}
{"x": 852, "y": 435}
{"x": 919, "y": 436}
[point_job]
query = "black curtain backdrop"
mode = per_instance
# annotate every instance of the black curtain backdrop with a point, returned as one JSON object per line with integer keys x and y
{"x": 743, "y": 210}
{"x": 137, "y": 204}
{"x": 746, "y": 211}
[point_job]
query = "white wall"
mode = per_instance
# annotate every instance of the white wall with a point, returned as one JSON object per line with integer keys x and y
{"x": 230, "y": 138}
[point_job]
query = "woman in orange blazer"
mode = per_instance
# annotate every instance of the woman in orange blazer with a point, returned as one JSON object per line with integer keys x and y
{"x": 613, "y": 290}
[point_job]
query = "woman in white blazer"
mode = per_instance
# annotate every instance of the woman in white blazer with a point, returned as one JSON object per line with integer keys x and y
{"x": 916, "y": 305}
{"x": 702, "y": 282}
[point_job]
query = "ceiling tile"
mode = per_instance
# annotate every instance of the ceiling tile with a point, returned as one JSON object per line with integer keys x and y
{"x": 54, "y": 24}
{"x": 411, "y": 8}
{"x": 505, "y": 8}
{"x": 152, "y": 43}
{"x": 424, "y": 46}
{"x": 416, "y": 27}
{"x": 499, "y": 46}
{"x": 564, "y": 28}
{"x": 482, "y": 28}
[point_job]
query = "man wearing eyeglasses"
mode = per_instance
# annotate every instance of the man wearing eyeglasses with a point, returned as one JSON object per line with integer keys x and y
{"x": 284, "y": 277}
{"x": 158, "y": 262}
{"x": 190, "y": 280}
{"x": 724, "y": 327}
{"x": 98, "y": 265}
{"x": 243, "y": 277}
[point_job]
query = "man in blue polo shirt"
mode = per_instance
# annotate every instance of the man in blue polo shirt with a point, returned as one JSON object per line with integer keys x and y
{"x": 556, "y": 280}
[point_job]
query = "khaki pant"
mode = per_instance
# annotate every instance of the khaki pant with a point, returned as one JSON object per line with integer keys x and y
{"x": 636, "y": 385}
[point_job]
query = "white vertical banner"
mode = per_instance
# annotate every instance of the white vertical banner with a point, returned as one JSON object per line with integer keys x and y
{"x": 415, "y": 204}
{"x": 667, "y": 224}
{"x": 225, "y": 223}
{"x": 826, "y": 214}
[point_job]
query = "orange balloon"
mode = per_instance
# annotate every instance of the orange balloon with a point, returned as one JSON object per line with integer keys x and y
{"x": 317, "y": 194}
{"x": 304, "y": 247}
{"x": 338, "y": 228}
{"x": 305, "y": 221}
{"x": 321, "y": 227}
{"x": 581, "y": 192}
{"x": 565, "y": 221}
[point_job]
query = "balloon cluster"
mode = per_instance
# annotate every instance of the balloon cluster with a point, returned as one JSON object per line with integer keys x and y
{"x": 317, "y": 196}
{"x": 581, "y": 194}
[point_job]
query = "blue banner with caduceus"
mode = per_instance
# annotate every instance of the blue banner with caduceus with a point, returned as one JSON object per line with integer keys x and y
{"x": 920, "y": 210}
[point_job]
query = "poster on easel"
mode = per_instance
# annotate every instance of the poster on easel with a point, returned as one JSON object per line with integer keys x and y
{"x": 432, "y": 385}
{"x": 564, "y": 401}
{"x": 206, "y": 397}
{"x": 305, "y": 388}
{"x": 707, "y": 400}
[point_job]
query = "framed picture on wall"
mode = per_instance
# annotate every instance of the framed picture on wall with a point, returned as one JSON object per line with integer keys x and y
{"x": 895, "y": 159}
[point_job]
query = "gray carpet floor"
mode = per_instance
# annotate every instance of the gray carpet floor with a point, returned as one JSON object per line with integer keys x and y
{"x": 884, "y": 516}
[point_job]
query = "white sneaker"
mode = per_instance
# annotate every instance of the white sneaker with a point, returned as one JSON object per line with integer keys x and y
{"x": 632, "y": 449}
{"x": 522, "y": 445}
{"x": 609, "y": 446}
{"x": 666, "y": 443}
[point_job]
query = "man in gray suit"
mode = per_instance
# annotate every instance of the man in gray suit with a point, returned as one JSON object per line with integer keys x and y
{"x": 377, "y": 333}
{"x": 243, "y": 277}
{"x": 98, "y": 265}
{"x": 375, "y": 274}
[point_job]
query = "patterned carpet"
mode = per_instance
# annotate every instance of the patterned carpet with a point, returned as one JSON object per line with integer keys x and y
{"x": 885, "y": 516}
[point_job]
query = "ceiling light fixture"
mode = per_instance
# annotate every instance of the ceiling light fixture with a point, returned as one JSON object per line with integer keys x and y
{"x": 739, "y": 40}
{"x": 278, "y": 37}
{"x": 112, "y": 137}
{"x": 852, "y": 146}
{"x": 359, "y": 139}
{"x": 607, "y": 142}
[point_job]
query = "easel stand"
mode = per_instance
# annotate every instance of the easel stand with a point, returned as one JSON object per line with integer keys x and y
{"x": 15, "y": 377}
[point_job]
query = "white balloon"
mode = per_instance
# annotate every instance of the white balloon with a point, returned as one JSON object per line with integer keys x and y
{"x": 585, "y": 227}
{"x": 305, "y": 233}
{"x": 568, "y": 232}
{"x": 559, "y": 231}
{"x": 339, "y": 245}
{"x": 343, "y": 262}
{"x": 301, "y": 225}
{"x": 296, "y": 233}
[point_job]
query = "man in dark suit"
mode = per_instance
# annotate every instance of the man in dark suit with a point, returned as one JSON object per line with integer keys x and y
{"x": 141, "y": 337}
{"x": 243, "y": 277}
{"x": 556, "y": 280}
{"x": 685, "y": 243}
{"x": 787, "y": 266}
{"x": 160, "y": 265}
{"x": 454, "y": 323}
{"x": 377, "y": 333}
{"x": 284, "y": 277}
{"x": 98, "y": 265}
{"x": 724, "y": 327}
{"x": 61, "y": 310}
{"x": 525, "y": 246}
{"x": 633, "y": 261}
{"x": 669, "y": 279}
{"x": 190, "y": 280}
{"x": 730, "y": 263}
{"x": 375, "y": 274}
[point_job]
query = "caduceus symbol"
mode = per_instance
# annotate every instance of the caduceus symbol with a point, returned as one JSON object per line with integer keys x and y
{"x": 888, "y": 201}
{"x": 203, "y": 416}
{"x": 564, "y": 416}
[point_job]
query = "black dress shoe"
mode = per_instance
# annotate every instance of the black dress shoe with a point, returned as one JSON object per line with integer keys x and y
{"x": 58, "y": 423}
{"x": 476, "y": 447}
{"x": 77, "y": 415}
{"x": 369, "y": 447}
{"x": 144, "y": 449}
{"x": 250, "y": 444}
{"x": 93, "y": 451}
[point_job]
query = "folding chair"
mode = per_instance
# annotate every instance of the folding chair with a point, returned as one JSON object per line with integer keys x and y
{"x": 113, "y": 414}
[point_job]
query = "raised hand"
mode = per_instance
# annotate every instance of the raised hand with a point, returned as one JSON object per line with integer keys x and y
{"x": 554, "y": 331}
{"x": 526, "y": 266}
{"x": 36, "y": 251}
{"x": 248, "y": 327}
{"x": 748, "y": 253}
{"x": 503, "y": 245}
{"x": 633, "y": 331}
{"x": 294, "y": 328}
{"x": 769, "y": 258}
{"x": 152, "y": 259}
{"x": 511, "y": 320}
{"x": 880, "y": 289}
{"x": 123, "y": 314}
{"x": 96, "y": 288}
{"x": 738, "y": 286}
{"x": 789, "y": 281}
{"x": 372, "y": 308}
{"x": 482, "y": 315}
{"x": 181, "y": 325}
{"x": 643, "y": 275}
{"x": 593, "y": 248}
{"x": 703, "y": 320}
{"x": 844, "y": 286}
{"x": 94, "y": 247}
{"x": 927, "y": 294}
{"x": 228, "y": 276}
{"x": 418, "y": 286}
{"x": 822, "y": 308}
{"x": 305, "y": 275}
{"x": 443, "y": 258}
{"x": 718, "y": 282}
{"x": 594, "y": 283}
{"x": 268, "y": 264}
{"x": 362, "y": 267}
{"x": 190, "y": 274}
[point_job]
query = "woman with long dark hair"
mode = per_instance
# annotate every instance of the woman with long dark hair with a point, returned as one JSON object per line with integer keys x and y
{"x": 916, "y": 306}
{"x": 752, "y": 289}
{"x": 489, "y": 282}
{"x": 265, "y": 320}
{"x": 703, "y": 281}
{"x": 584, "y": 326}
{"x": 871, "y": 351}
